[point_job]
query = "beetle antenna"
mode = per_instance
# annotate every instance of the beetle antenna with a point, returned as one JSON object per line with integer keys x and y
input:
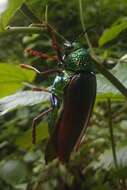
{"x": 84, "y": 32}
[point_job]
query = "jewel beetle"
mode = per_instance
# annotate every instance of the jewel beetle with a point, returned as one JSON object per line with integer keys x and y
{"x": 78, "y": 100}
{"x": 70, "y": 111}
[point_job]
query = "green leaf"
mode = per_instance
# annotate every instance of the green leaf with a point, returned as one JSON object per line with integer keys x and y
{"x": 113, "y": 32}
{"x": 12, "y": 78}
{"x": 12, "y": 7}
{"x": 106, "y": 159}
{"x": 25, "y": 141}
{"x": 10, "y": 169}
{"x": 104, "y": 87}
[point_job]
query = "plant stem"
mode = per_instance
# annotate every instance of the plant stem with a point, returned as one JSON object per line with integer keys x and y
{"x": 122, "y": 181}
{"x": 83, "y": 25}
{"x": 112, "y": 134}
{"x": 23, "y": 29}
{"x": 98, "y": 62}
{"x": 33, "y": 28}
{"x": 46, "y": 13}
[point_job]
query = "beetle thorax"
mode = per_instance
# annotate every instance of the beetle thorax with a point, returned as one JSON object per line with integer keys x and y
{"x": 79, "y": 60}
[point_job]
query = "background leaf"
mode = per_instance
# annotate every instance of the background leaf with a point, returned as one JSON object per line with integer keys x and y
{"x": 113, "y": 32}
{"x": 25, "y": 98}
{"x": 106, "y": 159}
{"x": 12, "y": 7}
{"x": 25, "y": 140}
{"x": 10, "y": 169}
{"x": 12, "y": 78}
{"x": 104, "y": 87}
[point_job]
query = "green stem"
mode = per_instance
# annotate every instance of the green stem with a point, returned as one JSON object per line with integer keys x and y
{"x": 30, "y": 29}
{"x": 46, "y": 13}
{"x": 33, "y": 28}
{"x": 83, "y": 25}
{"x": 81, "y": 14}
{"x": 98, "y": 62}
{"x": 112, "y": 134}
{"x": 122, "y": 182}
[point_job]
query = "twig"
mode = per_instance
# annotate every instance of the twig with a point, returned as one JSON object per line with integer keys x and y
{"x": 25, "y": 29}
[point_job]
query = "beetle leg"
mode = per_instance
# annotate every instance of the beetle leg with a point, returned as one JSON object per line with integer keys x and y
{"x": 48, "y": 72}
{"x": 36, "y": 88}
{"x": 54, "y": 100}
{"x": 41, "y": 55}
{"x": 54, "y": 103}
{"x": 35, "y": 120}
{"x": 51, "y": 71}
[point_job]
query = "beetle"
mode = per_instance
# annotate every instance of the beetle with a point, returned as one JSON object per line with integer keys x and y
{"x": 70, "y": 116}
{"x": 78, "y": 100}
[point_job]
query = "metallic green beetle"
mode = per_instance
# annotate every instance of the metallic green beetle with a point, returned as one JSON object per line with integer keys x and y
{"x": 78, "y": 99}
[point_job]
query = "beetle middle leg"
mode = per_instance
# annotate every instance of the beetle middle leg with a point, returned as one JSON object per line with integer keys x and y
{"x": 48, "y": 72}
{"x": 35, "y": 120}
{"x": 54, "y": 103}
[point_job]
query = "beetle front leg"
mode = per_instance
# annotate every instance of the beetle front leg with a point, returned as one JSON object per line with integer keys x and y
{"x": 36, "y": 88}
{"x": 48, "y": 72}
{"x": 54, "y": 103}
{"x": 41, "y": 55}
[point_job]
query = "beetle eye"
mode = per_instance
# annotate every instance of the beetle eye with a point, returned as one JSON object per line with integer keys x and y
{"x": 67, "y": 45}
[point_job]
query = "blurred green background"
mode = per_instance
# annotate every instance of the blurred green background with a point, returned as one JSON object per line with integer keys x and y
{"x": 22, "y": 165}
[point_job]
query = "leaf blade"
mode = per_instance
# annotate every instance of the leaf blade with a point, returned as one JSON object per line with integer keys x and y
{"x": 12, "y": 78}
{"x": 104, "y": 87}
{"x": 11, "y": 8}
{"x": 23, "y": 98}
{"x": 25, "y": 140}
{"x": 113, "y": 32}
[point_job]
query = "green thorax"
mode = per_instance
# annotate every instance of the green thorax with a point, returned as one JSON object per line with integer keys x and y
{"x": 79, "y": 60}
{"x": 59, "y": 83}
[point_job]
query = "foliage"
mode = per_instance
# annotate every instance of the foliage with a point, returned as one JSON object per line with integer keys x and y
{"x": 92, "y": 167}
{"x": 12, "y": 78}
